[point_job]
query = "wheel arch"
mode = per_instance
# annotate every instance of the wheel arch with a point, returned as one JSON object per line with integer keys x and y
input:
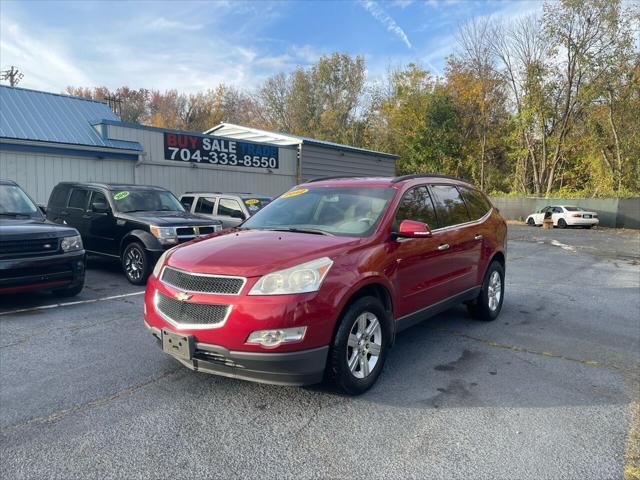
{"x": 149, "y": 241}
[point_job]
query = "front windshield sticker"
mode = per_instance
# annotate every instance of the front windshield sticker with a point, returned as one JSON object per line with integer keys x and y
{"x": 120, "y": 195}
{"x": 295, "y": 193}
{"x": 251, "y": 201}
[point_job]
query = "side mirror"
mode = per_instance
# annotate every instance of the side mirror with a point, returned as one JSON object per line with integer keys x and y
{"x": 99, "y": 207}
{"x": 237, "y": 214}
{"x": 413, "y": 229}
{"x": 42, "y": 208}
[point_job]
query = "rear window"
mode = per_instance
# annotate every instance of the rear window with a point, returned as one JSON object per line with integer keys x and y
{"x": 450, "y": 207}
{"x": 574, "y": 209}
{"x": 477, "y": 204}
{"x": 255, "y": 204}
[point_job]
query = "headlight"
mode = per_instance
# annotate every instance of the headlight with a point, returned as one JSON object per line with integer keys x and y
{"x": 70, "y": 244}
{"x": 272, "y": 338}
{"x": 160, "y": 263}
{"x": 303, "y": 278}
{"x": 165, "y": 235}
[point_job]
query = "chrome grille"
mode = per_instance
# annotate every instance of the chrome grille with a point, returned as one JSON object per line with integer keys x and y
{"x": 191, "y": 313}
{"x": 192, "y": 282}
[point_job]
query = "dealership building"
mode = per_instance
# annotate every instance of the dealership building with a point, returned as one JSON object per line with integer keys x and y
{"x": 46, "y": 138}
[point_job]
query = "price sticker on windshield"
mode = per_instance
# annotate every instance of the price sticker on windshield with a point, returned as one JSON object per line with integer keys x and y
{"x": 295, "y": 193}
{"x": 120, "y": 195}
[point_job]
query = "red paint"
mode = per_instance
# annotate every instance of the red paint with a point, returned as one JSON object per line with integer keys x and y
{"x": 415, "y": 273}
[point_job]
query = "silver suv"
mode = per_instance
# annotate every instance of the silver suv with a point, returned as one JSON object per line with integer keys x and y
{"x": 230, "y": 208}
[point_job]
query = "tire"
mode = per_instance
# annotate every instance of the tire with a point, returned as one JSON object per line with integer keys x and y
{"x": 588, "y": 227}
{"x": 348, "y": 348}
{"x": 136, "y": 263}
{"x": 486, "y": 306}
{"x": 69, "y": 291}
{"x": 531, "y": 222}
{"x": 562, "y": 223}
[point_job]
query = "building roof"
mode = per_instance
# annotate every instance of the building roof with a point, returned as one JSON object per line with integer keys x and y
{"x": 32, "y": 115}
{"x": 240, "y": 132}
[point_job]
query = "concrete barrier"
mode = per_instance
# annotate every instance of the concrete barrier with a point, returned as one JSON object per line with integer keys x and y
{"x": 613, "y": 212}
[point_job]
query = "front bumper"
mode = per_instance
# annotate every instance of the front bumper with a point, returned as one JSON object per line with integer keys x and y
{"x": 42, "y": 273}
{"x": 305, "y": 367}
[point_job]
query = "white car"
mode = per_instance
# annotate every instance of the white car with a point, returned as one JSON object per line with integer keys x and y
{"x": 565, "y": 216}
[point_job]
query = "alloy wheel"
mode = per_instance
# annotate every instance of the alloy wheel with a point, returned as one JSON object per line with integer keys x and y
{"x": 494, "y": 291}
{"x": 134, "y": 264}
{"x": 364, "y": 345}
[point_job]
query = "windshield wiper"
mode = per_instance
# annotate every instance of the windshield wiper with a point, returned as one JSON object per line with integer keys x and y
{"x": 301, "y": 230}
{"x": 15, "y": 214}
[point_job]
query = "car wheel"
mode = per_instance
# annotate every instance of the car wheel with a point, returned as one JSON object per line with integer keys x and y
{"x": 531, "y": 222}
{"x": 69, "y": 291}
{"x": 488, "y": 304}
{"x": 588, "y": 227}
{"x": 135, "y": 263}
{"x": 359, "y": 348}
{"x": 562, "y": 223}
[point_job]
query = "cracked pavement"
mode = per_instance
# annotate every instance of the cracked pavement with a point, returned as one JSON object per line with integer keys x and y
{"x": 542, "y": 393}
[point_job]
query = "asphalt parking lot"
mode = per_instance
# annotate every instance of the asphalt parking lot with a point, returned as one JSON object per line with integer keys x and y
{"x": 544, "y": 392}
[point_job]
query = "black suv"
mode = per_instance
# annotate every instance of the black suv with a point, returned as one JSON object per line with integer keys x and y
{"x": 36, "y": 254}
{"x": 134, "y": 223}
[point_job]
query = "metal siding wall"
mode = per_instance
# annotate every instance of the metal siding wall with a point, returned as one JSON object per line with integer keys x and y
{"x": 182, "y": 177}
{"x": 39, "y": 173}
{"x": 320, "y": 161}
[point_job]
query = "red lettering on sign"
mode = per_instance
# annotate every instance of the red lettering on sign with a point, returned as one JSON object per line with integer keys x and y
{"x": 194, "y": 142}
{"x": 171, "y": 140}
{"x": 182, "y": 141}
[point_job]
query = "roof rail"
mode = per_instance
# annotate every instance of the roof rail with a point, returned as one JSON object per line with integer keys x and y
{"x": 427, "y": 175}
{"x": 333, "y": 177}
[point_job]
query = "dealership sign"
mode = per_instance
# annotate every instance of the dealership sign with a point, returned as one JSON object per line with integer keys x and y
{"x": 219, "y": 151}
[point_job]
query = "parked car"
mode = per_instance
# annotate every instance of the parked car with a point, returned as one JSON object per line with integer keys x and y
{"x": 134, "y": 223}
{"x": 230, "y": 208}
{"x": 321, "y": 280}
{"x": 565, "y": 216}
{"x": 36, "y": 254}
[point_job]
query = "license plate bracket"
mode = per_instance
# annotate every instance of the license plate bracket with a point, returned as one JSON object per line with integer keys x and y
{"x": 177, "y": 344}
{"x": 587, "y": 216}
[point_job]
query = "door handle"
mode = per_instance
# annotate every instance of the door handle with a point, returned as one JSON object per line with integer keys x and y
{"x": 443, "y": 246}
{"x": 478, "y": 237}
{"x": 86, "y": 216}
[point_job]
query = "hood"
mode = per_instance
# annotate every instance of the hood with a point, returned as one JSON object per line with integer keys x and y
{"x": 251, "y": 253}
{"x": 32, "y": 229}
{"x": 168, "y": 219}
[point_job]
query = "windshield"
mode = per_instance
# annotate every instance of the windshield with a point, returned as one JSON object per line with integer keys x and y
{"x": 349, "y": 211}
{"x": 255, "y": 204}
{"x": 14, "y": 202}
{"x": 146, "y": 201}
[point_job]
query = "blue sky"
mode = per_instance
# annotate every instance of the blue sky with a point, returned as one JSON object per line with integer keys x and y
{"x": 193, "y": 46}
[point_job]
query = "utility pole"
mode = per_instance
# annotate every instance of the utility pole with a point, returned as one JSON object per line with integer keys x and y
{"x": 13, "y": 75}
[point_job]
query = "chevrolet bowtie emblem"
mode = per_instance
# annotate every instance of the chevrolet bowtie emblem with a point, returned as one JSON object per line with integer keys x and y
{"x": 182, "y": 296}
{"x": 196, "y": 230}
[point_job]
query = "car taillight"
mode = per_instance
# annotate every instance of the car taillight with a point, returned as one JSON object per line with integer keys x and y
{"x": 576, "y": 215}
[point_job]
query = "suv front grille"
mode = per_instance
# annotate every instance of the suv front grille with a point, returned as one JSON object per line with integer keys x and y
{"x": 193, "y": 282}
{"x": 29, "y": 247}
{"x": 192, "y": 232}
{"x": 191, "y": 313}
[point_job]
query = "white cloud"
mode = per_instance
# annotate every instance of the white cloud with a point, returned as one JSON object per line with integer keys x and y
{"x": 384, "y": 18}
{"x": 162, "y": 23}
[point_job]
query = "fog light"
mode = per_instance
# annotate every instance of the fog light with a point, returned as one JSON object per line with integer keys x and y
{"x": 271, "y": 338}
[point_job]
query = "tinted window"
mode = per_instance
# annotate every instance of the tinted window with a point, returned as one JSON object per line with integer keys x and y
{"x": 187, "y": 202}
{"x": 227, "y": 207}
{"x": 205, "y": 205}
{"x": 416, "y": 205}
{"x": 78, "y": 198}
{"x": 254, "y": 204}
{"x": 98, "y": 197}
{"x": 450, "y": 206}
{"x": 557, "y": 209}
{"x": 59, "y": 196}
{"x": 477, "y": 204}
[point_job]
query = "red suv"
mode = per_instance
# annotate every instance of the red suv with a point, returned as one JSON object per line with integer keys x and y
{"x": 319, "y": 282}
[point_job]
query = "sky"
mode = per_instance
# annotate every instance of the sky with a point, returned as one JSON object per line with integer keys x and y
{"x": 195, "y": 45}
